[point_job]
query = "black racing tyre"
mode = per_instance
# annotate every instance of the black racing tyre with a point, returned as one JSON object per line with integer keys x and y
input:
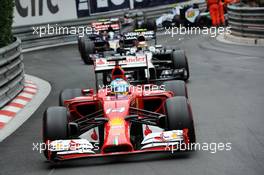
{"x": 178, "y": 87}
{"x": 180, "y": 61}
{"x": 55, "y": 125}
{"x": 68, "y": 94}
{"x": 165, "y": 54}
{"x": 87, "y": 48}
{"x": 179, "y": 116}
{"x": 81, "y": 46}
{"x": 166, "y": 24}
{"x": 176, "y": 20}
{"x": 80, "y": 43}
{"x": 203, "y": 21}
{"x": 151, "y": 25}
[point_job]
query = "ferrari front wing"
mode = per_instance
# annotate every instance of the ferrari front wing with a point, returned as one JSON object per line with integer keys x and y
{"x": 166, "y": 141}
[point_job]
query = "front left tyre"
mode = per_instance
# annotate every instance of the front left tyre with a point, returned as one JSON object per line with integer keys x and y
{"x": 55, "y": 125}
{"x": 86, "y": 47}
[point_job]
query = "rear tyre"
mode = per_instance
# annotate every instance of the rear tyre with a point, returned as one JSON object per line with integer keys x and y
{"x": 80, "y": 44}
{"x": 178, "y": 87}
{"x": 151, "y": 25}
{"x": 203, "y": 21}
{"x": 86, "y": 48}
{"x": 180, "y": 61}
{"x": 179, "y": 116}
{"x": 68, "y": 94}
{"x": 176, "y": 20}
{"x": 55, "y": 125}
{"x": 166, "y": 24}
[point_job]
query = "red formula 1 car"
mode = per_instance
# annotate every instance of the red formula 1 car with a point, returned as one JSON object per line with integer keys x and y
{"x": 119, "y": 119}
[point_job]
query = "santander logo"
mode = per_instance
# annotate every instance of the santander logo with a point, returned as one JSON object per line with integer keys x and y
{"x": 129, "y": 60}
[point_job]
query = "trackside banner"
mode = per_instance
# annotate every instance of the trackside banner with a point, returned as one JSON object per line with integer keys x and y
{"x": 33, "y": 12}
{"x": 30, "y": 12}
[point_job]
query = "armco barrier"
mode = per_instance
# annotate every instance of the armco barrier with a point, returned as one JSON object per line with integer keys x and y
{"x": 29, "y": 40}
{"x": 246, "y": 21}
{"x": 11, "y": 72}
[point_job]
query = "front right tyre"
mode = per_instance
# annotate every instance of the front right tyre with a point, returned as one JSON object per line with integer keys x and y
{"x": 86, "y": 47}
{"x": 180, "y": 61}
{"x": 179, "y": 116}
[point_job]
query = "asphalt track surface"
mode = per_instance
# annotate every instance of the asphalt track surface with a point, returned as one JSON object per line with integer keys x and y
{"x": 226, "y": 93}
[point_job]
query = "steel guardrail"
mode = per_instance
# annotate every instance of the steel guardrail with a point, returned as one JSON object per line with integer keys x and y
{"x": 11, "y": 72}
{"x": 246, "y": 21}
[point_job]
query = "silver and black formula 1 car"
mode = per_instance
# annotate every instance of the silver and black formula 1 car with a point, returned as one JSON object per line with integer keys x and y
{"x": 144, "y": 63}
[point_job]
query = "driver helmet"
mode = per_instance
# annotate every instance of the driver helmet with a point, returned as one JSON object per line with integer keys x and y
{"x": 119, "y": 86}
{"x": 111, "y": 35}
{"x": 141, "y": 42}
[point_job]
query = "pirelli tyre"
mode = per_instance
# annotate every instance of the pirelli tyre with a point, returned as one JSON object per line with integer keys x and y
{"x": 68, "y": 94}
{"x": 179, "y": 116}
{"x": 203, "y": 21}
{"x": 151, "y": 25}
{"x": 86, "y": 47}
{"x": 55, "y": 125}
{"x": 80, "y": 43}
{"x": 180, "y": 61}
{"x": 167, "y": 24}
{"x": 178, "y": 87}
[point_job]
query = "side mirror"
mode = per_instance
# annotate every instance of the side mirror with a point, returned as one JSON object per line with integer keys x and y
{"x": 158, "y": 46}
{"x": 88, "y": 92}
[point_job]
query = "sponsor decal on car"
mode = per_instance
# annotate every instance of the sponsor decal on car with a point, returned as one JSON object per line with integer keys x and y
{"x": 129, "y": 60}
{"x": 116, "y": 122}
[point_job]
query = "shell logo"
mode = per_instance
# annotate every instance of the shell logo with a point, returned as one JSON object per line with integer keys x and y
{"x": 174, "y": 135}
{"x": 116, "y": 122}
{"x": 58, "y": 146}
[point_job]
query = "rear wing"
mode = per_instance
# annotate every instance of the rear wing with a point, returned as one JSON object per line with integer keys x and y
{"x": 129, "y": 62}
{"x": 140, "y": 32}
{"x": 148, "y": 34}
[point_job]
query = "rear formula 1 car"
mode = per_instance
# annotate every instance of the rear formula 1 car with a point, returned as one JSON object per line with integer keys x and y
{"x": 118, "y": 120}
{"x": 138, "y": 20}
{"x": 133, "y": 17}
{"x": 105, "y": 37}
{"x": 145, "y": 63}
